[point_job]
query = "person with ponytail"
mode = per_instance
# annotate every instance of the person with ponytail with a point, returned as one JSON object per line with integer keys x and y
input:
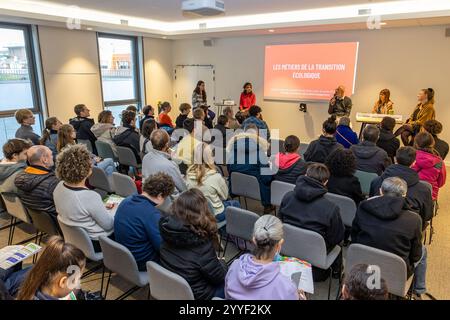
{"x": 50, "y": 134}
{"x": 56, "y": 274}
{"x": 423, "y": 112}
{"x": 429, "y": 164}
{"x": 257, "y": 276}
{"x": 189, "y": 243}
{"x": 320, "y": 149}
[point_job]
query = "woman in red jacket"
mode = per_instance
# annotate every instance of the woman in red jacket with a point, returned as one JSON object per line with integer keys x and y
{"x": 248, "y": 98}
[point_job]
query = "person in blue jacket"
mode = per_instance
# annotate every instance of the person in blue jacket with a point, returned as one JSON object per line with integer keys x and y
{"x": 344, "y": 134}
{"x": 136, "y": 224}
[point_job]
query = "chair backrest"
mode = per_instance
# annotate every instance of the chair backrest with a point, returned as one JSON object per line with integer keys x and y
{"x": 278, "y": 190}
{"x": 44, "y": 222}
{"x": 126, "y": 156}
{"x": 79, "y": 238}
{"x": 100, "y": 180}
{"x": 365, "y": 179}
{"x": 105, "y": 150}
{"x": 119, "y": 259}
{"x": 167, "y": 285}
{"x": 87, "y": 143}
{"x": 15, "y": 207}
{"x": 393, "y": 268}
{"x": 304, "y": 244}
{"x": 303, "y": 148}
{"x": 124, "y": 185}
{"x": 347, "y": 207}
{"x": 240, "y": 222}
{"x": 245, "y": 185}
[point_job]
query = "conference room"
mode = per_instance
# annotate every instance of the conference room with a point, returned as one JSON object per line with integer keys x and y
{"x": 224, "y": 150}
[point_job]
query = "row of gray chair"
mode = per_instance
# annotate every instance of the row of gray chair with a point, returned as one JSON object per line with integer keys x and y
{"x": 120, "y": 184}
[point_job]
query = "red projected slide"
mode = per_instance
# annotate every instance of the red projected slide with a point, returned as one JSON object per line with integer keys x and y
{"x": 309, "y": 71}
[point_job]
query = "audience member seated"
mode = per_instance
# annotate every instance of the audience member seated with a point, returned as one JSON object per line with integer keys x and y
{"x": 56, "y": 274}
{"x": 199, "y": 118}
{"x": 356, "y": 287}
{"x": 385, "y": 223}
{"x": 289, "y": 165}
{"x": 247, "y": 154}
{"x": 257, "y": 276}
{"x": 369, "y": 157}
{"x": 105, "y": 130}
{"x": 132, "y": 108}
{"x": 165, "y": 122}
{"x": 342, "y": 166}
{"x": 77, "y": 205}
{"x": 240, "y": 117}
{"x": 209, "y": 116}
{"x": 136, "y": 223}
{"x": 185, "y": 150}
{"x": 434, "y": 127}
{"x": 158, "y": 160}
{"x": 418, "y": 196}
{"x": 50, "y": 134}
{"x": 189, "y": 244}
{"x": 203, "y": 175}
{"x": 232, "y": 121}
{"x": 144, "y": 140}
{"x": 320, "y": 149}
{"x": 344, "y": 133}
{"x": 185, "y": 109}
{"x": 127, "y": 135}
{"x": 14, "y": 162}
{"x": 66, "y": 137}
{"x": 26, "y": 119}
{"x": 222, "y": 126}
{"x": 149, "y": 114}
{"x": 256, "y": 118}
{"x": 82, "y": 125}
{"x": 429, "y": 165}
{"x": 306, "y": 208}
{"x": 387, "y": 140}
{"x": 36, "y": 183}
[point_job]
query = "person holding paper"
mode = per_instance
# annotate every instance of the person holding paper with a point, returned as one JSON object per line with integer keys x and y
{"x": 257, "y": 276}
{"x": 384, "y": 105}
{"x": 340, "y": 105}
{"x": 248, "y": 98}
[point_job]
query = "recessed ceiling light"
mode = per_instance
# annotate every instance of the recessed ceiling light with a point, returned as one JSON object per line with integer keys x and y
{"x": 164, "y": 37}
{"x": 89, "y": 29}
{"x": 383, "y": 23}
{"x": 271, "y": 31}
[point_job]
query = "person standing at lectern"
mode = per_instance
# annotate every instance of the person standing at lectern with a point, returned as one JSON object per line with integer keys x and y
{"x": 248, "y": 98}
{"x": 340, "y": 105}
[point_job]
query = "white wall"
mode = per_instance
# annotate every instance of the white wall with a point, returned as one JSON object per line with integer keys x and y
{"x": 403, "y": 60}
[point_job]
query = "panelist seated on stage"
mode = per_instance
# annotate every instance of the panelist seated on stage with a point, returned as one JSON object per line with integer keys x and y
{"x": 384, "y": 105}
{"x": 340, "y": 105}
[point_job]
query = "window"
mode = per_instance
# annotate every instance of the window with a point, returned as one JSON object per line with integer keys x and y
{"x": 18, "y": 88}
{"x": 119, "y": 71}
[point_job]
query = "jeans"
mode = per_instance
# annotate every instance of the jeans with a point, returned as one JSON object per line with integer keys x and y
{"x": 220, "y": 291}
{"x": 227, "y": 203}
{"x": 107, "y": 165}
{"x": 420, "y": 271}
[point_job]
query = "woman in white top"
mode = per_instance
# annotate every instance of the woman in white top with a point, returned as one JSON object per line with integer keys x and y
{"x": 77, "y": 205}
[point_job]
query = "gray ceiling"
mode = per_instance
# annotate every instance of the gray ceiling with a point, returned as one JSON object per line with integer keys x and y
{"x": 170, "y": 10}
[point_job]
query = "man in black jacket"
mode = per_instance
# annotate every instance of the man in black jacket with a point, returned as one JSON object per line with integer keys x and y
{"x": 319, "y": 150}
{"x": 82, "y": 125}
{"x": 385, "y": 223}
{"x": 418, "y": 197}
{"x": 306, "y": 208}
{"x": 37, "y": 182}
{"x": 387, "y": 141}
{"x": 369, "y": 157}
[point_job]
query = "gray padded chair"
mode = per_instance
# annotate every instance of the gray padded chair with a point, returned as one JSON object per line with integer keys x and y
{"x": 278, "y": 190}
{"x": 347, "y": 207}
{"x": 105, "y": 150}
{"x": 309, "y": 246}
{"x": 167, "y": 285}
{"x": 278, "y": 145}
{"x": 17, "y": 211}
{"x": 244, "y": 185}
{"x": 119, "y": 259}
{"x": 87, "y": 143}
{"x": 44, "y": 223}
{"x": 127, "y": 157}
{"x": 365, "y": 179}
{"x": 100, "y": 180}
{"x": 393, "y": 268}
{"x": 124, "y": 185}
{"x": 240, "y": 224}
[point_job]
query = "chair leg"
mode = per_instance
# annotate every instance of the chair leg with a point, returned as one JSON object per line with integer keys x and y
{"x": 128, "y": 293}
{"x": 431, "y": 232}
{"x": 103, "y": 280}
{"x": 107, "y": 284}
{"x": 226, "y": 245}
{"x": 11, "y": 230}
{"x": 246, "y": 206}
{"x": 329, "y": 283}
{"x": 149, "y": 293}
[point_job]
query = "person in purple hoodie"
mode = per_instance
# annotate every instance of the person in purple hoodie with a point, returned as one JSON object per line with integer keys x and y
{"x": 258, "y": 276}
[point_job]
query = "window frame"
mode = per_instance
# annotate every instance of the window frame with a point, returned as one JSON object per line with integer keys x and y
{"x": 136, "y": 79}
{"x": 32, "y": 69}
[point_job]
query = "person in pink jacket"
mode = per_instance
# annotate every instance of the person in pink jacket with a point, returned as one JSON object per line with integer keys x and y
{"x": 429, "y": 165}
